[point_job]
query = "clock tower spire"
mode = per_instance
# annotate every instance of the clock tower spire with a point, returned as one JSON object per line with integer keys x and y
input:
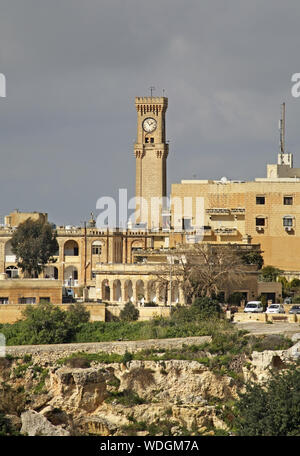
{"x": 151, "y": 151}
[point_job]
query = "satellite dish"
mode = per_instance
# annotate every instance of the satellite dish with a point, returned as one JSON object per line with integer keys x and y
{"x": 224, "y": 180}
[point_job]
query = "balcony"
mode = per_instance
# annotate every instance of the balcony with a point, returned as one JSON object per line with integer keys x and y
{"x": 237, "y": 210}
{"x": 218, "y": 211}
{"x": 224, "y": 231}
{"x": 71, "y": 283}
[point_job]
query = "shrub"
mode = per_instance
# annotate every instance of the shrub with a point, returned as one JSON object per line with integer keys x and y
{"x": 129, "y": 313}
{"x": 127, "y": 398}
{"x": 236, "y": 298}
{"x": 271, "y": 409}
{"x": 12, "y": 401}
{"x": 78, "y": 362}
{"x": 206, "y": 307}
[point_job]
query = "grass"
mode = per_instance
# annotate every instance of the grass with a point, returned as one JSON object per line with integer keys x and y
{"x": 128, "y": 398}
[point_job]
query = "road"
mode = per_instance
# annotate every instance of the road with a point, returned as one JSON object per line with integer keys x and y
{"x": 286, "y": 329}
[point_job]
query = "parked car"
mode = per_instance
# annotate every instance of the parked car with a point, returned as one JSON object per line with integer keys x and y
{"x": 254, "y": 307}
{"x": 275, "y": 309}
{"x": 295, "y": 309}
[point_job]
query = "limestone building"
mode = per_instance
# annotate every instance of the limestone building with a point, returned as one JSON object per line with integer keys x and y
{"x": 261, "y": 214}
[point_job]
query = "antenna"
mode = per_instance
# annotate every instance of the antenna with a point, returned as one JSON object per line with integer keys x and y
{"x": 282, "y": 129}
{"x": 151, "y": 90}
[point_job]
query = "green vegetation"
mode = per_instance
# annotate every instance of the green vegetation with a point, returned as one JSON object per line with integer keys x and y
{"x": 128, "y": 398}
{"x": 6, "y": 427}
{"x": 129, "y": 313}
{"x": 34, "y": 243}
{"x": 43, "y": 374}
{"x": 46, "y": 324}
{"x": 269, "y": 274}
{"x": 78, "y": 359}
{"x": 253, "y": 258}
{"x": 268, "y": 410}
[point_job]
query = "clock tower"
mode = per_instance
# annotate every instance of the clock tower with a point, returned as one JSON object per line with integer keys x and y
{"x": 151, "y": 151}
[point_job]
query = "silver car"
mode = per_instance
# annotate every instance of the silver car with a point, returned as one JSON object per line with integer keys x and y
{"x": 275, "y": 309}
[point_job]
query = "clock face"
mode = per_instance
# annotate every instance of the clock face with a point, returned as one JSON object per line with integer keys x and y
{"x": 149, "y": 125}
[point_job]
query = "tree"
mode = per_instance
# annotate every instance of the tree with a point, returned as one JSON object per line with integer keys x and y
{"x": 207, "y": 307}
{"x": 45, "y": 323}
{"x": 209, "y": 269}
{"x": 253, "y": 258}
{"x": 129, "y": 313}
{"x": 203, "y": 270}
{"x": 269, "y": 274}
{"x": 76, "y": 316}
{"x": 34, "y": 244}
{"x": 271, "y": 409}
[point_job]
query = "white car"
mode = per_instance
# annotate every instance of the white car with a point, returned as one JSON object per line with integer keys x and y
{"x": 254, "y": 307}
{"x": 275, "y": 309}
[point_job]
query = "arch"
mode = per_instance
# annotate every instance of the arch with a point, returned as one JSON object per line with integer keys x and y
{"x": 140, "y": 290}
{"x": 128, "y": 290}
{"x": 163, "y": 292}
{"x": 71, "y": 276}
{"x": 117, "y": 293}
{"x": 12, "y": 272}
{"x": 71, "y": 248}
{"x": 136, "y": 245}
{"x": 151, "y": 288}
{"x": 10, "y": 257}
{"x": 105, "y": 290}
{"x": 51, "y": 272}
{"x": 175, "y": 293}
{"x": 97, "y": 247}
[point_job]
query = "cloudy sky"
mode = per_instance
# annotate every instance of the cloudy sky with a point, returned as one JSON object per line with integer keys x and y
{"x": 73, "y": 68}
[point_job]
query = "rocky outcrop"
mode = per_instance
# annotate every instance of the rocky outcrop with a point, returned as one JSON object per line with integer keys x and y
{"x": 34, "y": 423}
{"x": 178, "y": 396}
{"x": 77, "y": 389}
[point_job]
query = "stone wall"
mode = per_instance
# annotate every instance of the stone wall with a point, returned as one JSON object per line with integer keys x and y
{"x": 50, "y": 353}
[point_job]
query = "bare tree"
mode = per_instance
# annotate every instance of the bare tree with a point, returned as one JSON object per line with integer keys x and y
{"x": 204, "y": 270}
{"x": 209, "y": 269}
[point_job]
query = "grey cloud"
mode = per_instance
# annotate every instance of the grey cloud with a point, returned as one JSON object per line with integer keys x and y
{"x": 73, "y": 69}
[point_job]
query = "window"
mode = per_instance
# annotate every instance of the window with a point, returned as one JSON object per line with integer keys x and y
{"x": 152, "y": 140}
{"x": 3, "y": 300}
{"x": 260, "y": 221}
{"x": 260, "y": 200}
{"x": 27, "y": 300}
{"x": 45, "y": 299}
{"x": 97, "y": 249}
{"x": 287, "y": 221}
{"x": 287, "y": 200}
{"x": 146, "y": 140}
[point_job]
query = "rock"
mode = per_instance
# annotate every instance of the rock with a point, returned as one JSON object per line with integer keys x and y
{"x": 295, "y": 337}
{"x": 77, "y": 390}
{"x": 294, "y": 351}
{"x": 33, "y": 423}
{"x": 55, "y": 416}
{"x": 95, "y": 426}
